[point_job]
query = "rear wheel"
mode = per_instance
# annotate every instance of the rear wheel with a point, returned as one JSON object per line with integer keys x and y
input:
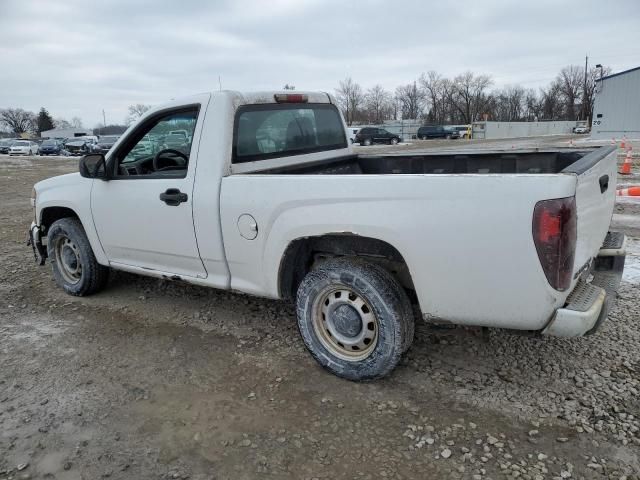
{"x": 75, "y": 268}
{"x": 355, "y": 318}
{"x": 394, "y": 141}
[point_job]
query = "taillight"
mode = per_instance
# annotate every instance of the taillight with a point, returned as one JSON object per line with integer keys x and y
{"x": 290, "y": 98}
{"x": 554, "y": 234}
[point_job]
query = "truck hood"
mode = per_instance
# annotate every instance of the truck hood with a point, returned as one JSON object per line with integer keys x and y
{"x": 69, "y": 179}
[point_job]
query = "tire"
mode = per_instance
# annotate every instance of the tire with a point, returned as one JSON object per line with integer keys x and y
{"x": 68, "y": 247}
{"x": 366, "y": 142}
{"x": 394, "y": 141}
{"x": 422, "y": 137}
{"x": 358, "y": 292}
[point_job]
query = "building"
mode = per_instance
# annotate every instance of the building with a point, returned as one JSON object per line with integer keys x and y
{"x": 616, "y": 110}
{"x": 490, "y": 130}
{"x": 66, "y": 132}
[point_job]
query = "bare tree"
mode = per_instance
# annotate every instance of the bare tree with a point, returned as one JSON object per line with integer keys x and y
{"x": 509, "y": 104}
{"x": 551, "y": 100}
{"x": 76, "y": 122}
{"x": 135, "y": 112}
{"x": 288, "y": 87}
{"x": 18, "y": 120}
{"x": 470, "y": 96}
{"x": 571, "y": 80}
{"x": 411, "y": 99}
{"x": 378, "y": 104}
{"x": 436, "y": 92}
{"x": 61, "y": 123}
{"x": 533, "y": 105}
{"x": 350, "y": 98}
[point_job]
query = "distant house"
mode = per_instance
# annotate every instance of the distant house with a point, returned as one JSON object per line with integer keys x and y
{"x": 616, "y": 109}
{"x": 66, "y": 132}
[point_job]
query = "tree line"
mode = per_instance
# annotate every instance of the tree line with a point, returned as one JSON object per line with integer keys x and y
{"x": 18, "y": 121}
{"x": 468, "y": 97}
{"x": 431, "y": 98}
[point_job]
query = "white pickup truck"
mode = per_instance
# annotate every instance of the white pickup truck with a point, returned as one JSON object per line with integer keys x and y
{"x": 266, "y": 197}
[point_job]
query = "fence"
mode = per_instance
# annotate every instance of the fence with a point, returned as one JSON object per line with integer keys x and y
{"x": 489, "y": 130}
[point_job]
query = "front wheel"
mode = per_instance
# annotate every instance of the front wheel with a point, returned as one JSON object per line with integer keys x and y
{"x": 394, "y": 141}
{"x": 355, "y": 319}
{"x": 75, "y": 268}
{"x": 366, "y": 142}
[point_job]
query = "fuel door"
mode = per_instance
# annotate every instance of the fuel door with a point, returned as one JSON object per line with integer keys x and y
{"x": 247, "y": 226}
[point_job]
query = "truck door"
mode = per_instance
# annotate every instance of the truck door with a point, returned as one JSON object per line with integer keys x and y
{"x": 144, "y": 214}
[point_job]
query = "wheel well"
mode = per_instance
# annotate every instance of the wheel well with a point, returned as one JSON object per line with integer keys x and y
{"x": 51, "y": 214}
{"x": 304, "y": 254}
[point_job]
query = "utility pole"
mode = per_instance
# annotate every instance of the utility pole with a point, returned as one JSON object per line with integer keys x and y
{"x": 584, "y": 89}
{"x": 104, "y": 120}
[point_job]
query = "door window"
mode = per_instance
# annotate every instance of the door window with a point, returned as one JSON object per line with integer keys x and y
{"x": 160, "y": 147}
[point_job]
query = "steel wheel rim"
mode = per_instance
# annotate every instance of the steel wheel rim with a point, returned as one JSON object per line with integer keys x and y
{"x": 345, "y": 323}
{"x": 67, "y": 256}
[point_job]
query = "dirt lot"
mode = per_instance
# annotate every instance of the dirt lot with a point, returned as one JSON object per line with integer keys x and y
{"x": 154, "y": 380}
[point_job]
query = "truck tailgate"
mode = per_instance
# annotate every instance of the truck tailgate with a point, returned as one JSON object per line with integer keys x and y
{"x": 595, "y": 198}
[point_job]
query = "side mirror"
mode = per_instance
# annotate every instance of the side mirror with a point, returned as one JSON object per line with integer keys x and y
{"x": 94, "y": 165}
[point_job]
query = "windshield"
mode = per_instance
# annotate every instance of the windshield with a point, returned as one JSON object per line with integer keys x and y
{"x": 49, "y": 143}
{"x": 21, "y": 144}
{"x": 108, "y": 139}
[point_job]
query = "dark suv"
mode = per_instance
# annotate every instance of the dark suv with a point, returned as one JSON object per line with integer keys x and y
{"x": 370, "y": 135}
{"x": 437, "y": 131}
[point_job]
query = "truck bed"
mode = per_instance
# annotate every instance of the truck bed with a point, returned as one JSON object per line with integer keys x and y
{"x": 533, "y": 161}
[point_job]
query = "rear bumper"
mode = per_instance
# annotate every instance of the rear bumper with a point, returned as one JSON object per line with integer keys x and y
{"x": 590, "y": 301}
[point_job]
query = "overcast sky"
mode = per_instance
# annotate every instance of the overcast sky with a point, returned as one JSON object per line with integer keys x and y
{"x": 77, "y": 57}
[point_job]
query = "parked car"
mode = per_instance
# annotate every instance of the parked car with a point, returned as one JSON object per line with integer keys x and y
{"x": 464, "y": 131}
{"x": 50, "y": 147}
{"x": 351, "y": 133}
{"x": 105, "y": 142}
{"x": 371, "y": 135}
{"x": 5, "y": 144}
{"x": 349, "y": 238}
{"x": 581, "y": 129}
{"x": 436, "y": 131}
{"x": 146, "y": 147}
{"x": 80, "y": 145}
{"x": 176, "y": 141}
{"x": 23, "y": 147}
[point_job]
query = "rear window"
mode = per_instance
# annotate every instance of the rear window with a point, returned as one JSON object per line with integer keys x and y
{"x": 278, "y": 130}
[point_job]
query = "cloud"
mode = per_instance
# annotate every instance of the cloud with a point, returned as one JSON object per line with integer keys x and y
{"x": 77, "y": 58}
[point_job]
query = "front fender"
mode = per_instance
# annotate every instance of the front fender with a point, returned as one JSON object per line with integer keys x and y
{"x": 73, "y": 192}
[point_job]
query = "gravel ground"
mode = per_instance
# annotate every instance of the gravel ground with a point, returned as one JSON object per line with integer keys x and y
{"x": 155, "y": 380}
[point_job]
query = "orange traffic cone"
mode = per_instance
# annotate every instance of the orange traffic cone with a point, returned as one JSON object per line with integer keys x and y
{"x": 613, "y": 141}
{"x": 626, "y": 166}
{"x": 629, "y": 192}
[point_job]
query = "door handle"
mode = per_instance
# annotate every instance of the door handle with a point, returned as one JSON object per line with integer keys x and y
{"x": 173, "y": 197}
{"x": 604, "y": 183}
